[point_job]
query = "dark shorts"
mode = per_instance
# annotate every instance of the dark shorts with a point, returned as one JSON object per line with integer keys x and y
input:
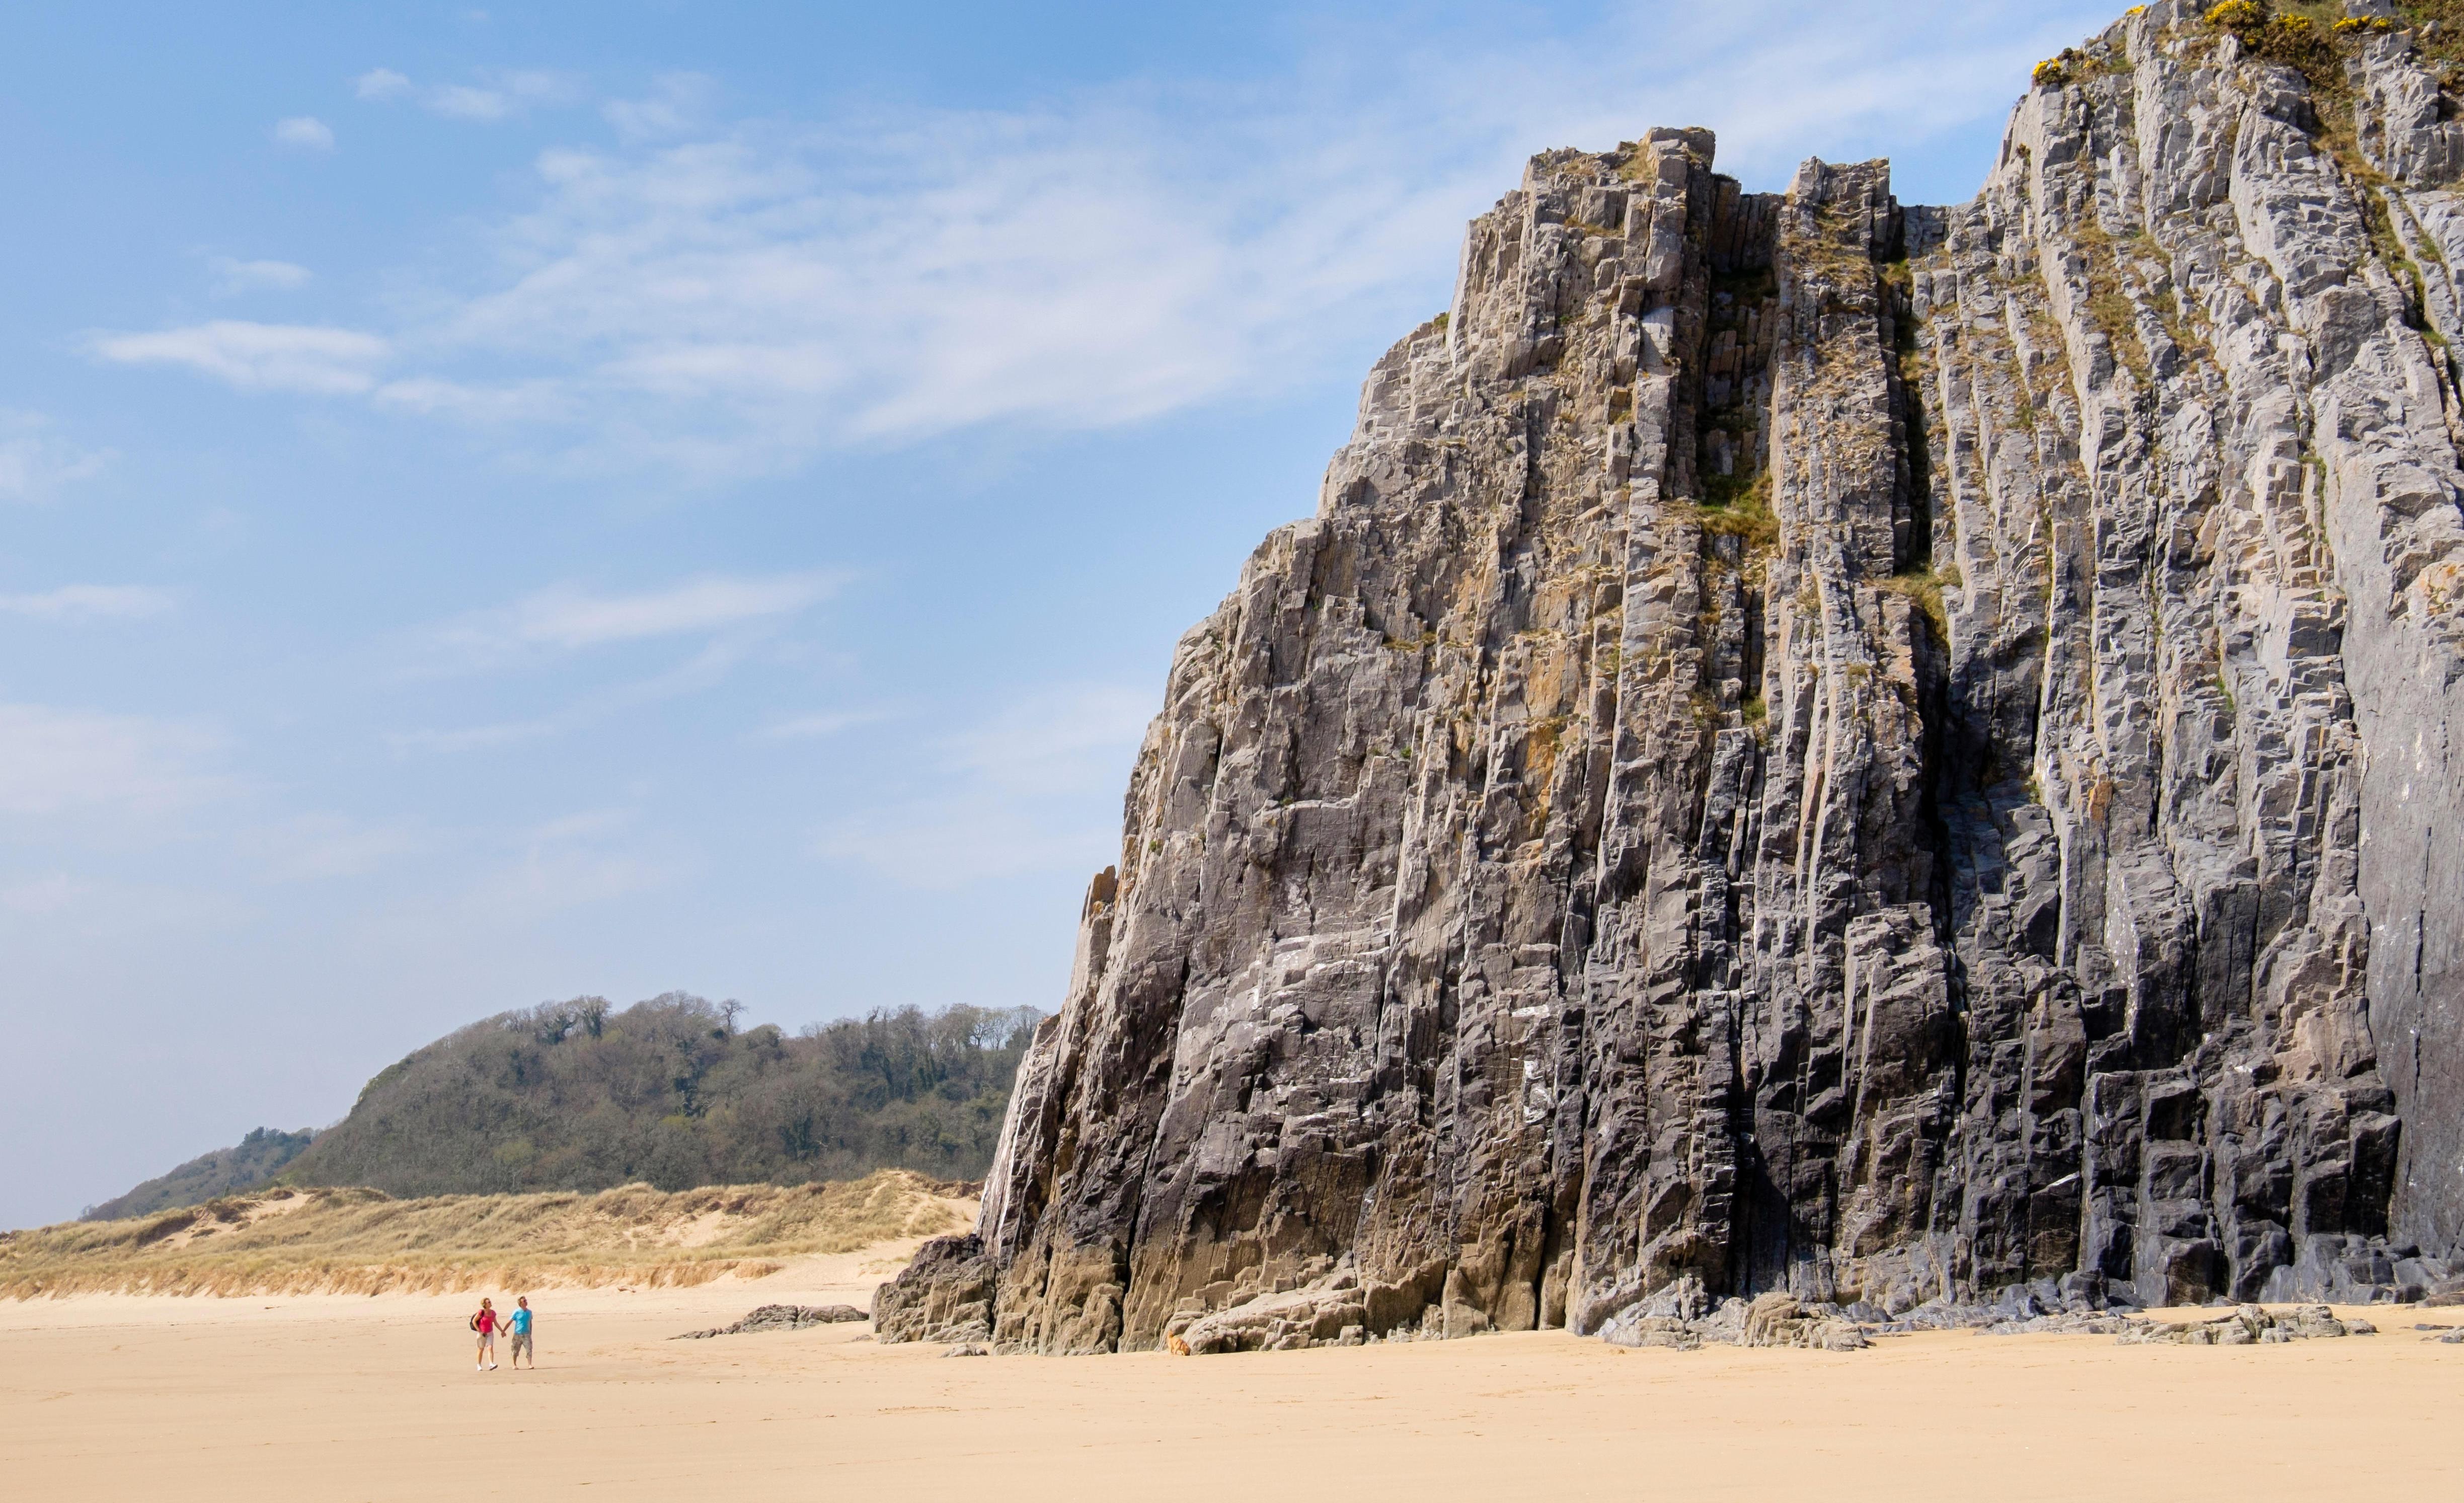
{"x": 522, "y": 1343}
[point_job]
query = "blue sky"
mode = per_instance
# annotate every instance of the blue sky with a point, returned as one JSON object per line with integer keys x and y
{"x": 503, "y": 504}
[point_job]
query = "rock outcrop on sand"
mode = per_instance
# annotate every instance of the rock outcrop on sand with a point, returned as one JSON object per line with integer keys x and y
{"x": 780, "y": 1317}
{"x": 1817, "y": 749}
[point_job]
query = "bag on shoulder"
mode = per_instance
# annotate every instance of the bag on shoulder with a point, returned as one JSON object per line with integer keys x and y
{"x": 475, "y": 1322}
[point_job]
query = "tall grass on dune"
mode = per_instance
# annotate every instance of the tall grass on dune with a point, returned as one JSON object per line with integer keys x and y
{"x": 320, "y": 1240}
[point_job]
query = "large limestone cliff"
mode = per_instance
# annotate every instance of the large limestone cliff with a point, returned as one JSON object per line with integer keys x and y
{"x": 1819, "y": 745}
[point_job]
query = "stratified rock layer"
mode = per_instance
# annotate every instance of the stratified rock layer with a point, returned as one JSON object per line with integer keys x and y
{"x": 1812, "y": 746}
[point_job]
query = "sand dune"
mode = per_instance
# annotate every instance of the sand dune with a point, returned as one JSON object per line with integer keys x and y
{"x": 360, "y": 1242}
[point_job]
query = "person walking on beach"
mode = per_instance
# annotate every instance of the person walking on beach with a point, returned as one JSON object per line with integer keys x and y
{"x": 519, "y": 1324}
{"x": 485, "y": 1323}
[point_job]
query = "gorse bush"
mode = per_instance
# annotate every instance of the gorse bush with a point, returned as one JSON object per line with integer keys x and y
{"x": 577, "y": 1096}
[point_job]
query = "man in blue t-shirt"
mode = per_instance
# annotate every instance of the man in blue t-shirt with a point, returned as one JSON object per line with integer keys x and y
{"x": 519, "y": 1324}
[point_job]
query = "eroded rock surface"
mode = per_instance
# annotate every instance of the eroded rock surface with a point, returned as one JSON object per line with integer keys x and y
{"x": 2250, "y": 1325}
{"x": 1815, "y": 751}
{"x": 780, "y": 1318}
{"x": 945, "y": 1294}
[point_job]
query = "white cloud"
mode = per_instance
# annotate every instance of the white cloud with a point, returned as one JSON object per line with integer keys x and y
{"x": 732, "y": 614}
{"x": 677, "y": 102}
{"x": 710, "y": 301}
{"x": 704, "y": 670}
{"x": 265, "y": 357}
{"x": 746, "y": 300}
{"x": 90, "y": 602}
{"x": 304, "y": 132}
{"x": 499, "y": 94}
{"x": 531, "y": 401}
{"x": 232, "y": 276}
{"x": 565, "y": 617}
{"x": 36, "y": 462}
{"x": 1011, "y": 794}
{"x": 57, "y": 762}
{"x": 462, "y": 101}
{"x": 380, "y": 84}
{"x": 580, "y": 827}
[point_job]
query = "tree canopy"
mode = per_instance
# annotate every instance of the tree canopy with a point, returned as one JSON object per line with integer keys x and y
{"x": 583, "y": 1096}
{"x": 252, "y": 1161}
{"x": 578, "y": 1095}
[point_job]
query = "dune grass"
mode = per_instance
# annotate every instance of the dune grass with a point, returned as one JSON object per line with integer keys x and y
{"x": 288, "y": 1241}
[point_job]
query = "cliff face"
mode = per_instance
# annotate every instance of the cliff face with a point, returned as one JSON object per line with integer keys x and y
{"x": 1814, "y": 745}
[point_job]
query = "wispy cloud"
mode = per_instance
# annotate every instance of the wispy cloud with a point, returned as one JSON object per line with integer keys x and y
{"x": 678, "y": 102}
{"x": 730, "y": 615}
{"x": 90, "y": 602}
{"x": 303, "y": 133}
{"x": 62, "y": 761}
{"x": 738, "y": 300}
{"x": 708, "y": 300}
{"x": 232, "y": 276}
{"x": 263, "y": 357}
{"x": 499, "y": 94}
{"x": 747, "y": 301}
{"x": 382, "y": 84}
{"x": 566, "y": 617}
{"x": 1010, "y": 795}
{"x": 524, "y": 402}
{"x": 706, "y": 669}
{"x": 36, "y": 462}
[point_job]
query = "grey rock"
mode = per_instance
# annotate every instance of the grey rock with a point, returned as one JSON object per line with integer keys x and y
{"x": 780, "y": 1318}
{"x": 2067, "y": 1324}
{"x": 1631, "y": 1328}
{"x": 2247, "y": 1326}
{"x": 1893, "y": 757}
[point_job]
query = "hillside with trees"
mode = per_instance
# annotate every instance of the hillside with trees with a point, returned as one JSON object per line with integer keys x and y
{"x": 581, "y": 1095}
{"x": 250, "y": 1162}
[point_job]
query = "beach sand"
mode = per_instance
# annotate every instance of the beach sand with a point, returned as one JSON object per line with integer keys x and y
{"x": 344, "y": 1398}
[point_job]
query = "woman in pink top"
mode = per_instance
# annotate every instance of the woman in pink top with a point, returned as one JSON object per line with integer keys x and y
{"x": 485, "y": 1323}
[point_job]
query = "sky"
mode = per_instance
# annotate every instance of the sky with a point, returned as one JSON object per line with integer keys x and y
{"x": 498, "y": 505}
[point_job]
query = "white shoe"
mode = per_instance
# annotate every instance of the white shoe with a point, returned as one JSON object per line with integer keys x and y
{"x": 478, "y": 1368}
{"x": 492, "y": 1367}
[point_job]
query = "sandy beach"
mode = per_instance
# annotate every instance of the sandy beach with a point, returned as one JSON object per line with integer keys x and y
{"x": 350, "y": 1397}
